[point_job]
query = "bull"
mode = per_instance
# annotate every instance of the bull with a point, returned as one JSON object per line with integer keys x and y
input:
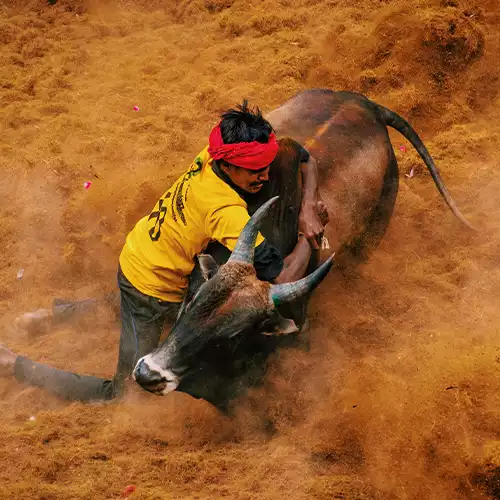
{"x": 216, "y": 349}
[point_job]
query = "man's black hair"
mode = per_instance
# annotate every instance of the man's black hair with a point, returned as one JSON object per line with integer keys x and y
{"x": 244, "y": 124}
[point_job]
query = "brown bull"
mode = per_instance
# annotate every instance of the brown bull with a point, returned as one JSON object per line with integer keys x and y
{"x": 217, "y": 339}
{"x": 348, "y": 136}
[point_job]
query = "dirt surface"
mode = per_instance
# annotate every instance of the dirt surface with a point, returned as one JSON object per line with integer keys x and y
{"x": 399, "y": 395}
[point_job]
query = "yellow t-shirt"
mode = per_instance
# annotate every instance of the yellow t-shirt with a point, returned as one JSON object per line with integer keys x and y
{"x": 158, "y": 255}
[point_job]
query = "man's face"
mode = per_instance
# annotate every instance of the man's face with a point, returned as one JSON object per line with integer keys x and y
{"x": 250, "y": 181}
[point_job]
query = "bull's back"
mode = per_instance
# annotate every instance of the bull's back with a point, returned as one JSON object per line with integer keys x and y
{"x": 343, "y": 131}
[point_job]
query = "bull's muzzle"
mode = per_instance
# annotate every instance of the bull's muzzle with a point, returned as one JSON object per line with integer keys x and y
{"x": 153, "y": 378}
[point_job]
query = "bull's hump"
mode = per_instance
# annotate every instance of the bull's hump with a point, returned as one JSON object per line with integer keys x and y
{"x": 347, "y": 115}
{"x": 308, "y": 117}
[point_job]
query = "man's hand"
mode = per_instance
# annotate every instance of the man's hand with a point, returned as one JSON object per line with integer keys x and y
{"x": 312, "y": 221}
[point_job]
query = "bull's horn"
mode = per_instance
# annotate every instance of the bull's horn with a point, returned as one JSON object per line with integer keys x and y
{"x": 287, "y": 292}
{"x": 245, "y": 246}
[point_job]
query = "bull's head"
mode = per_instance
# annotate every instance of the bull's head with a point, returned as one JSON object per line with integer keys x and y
{"x": 232, "y": 301}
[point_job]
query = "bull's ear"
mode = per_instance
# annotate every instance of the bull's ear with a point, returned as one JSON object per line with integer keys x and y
{"x": 208, "y": 266}
{"x": 283, "y": 326}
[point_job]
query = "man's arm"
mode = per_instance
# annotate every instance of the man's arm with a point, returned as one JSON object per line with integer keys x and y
{"x": 295, "y": 264}
{"x": 313, "y": 215}
{"x": 312, "y": 219}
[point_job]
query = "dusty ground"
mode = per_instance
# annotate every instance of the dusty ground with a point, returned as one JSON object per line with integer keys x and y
{"x": 399, "y": 397}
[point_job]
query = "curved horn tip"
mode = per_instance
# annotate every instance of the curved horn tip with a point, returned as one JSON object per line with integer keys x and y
{"x": 327, "y": 263}
{"x": 286, "y": 292}
{"x": 268, "y": 203}
{"x": 265, "y": 206}
{"x": 244, "y": 249}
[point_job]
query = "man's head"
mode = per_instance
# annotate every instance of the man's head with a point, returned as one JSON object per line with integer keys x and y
{"x": 244, "y": 145}
{"x": 250, "y": 181}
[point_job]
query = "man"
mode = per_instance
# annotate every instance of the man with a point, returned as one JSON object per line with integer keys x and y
{"x": 204, "y": 205}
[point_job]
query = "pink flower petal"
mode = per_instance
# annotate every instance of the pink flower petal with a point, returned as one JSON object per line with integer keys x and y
{"x": 87, "y": 184}
{"x": 128, "y": 490}
{"x": 402, "y": 148}
{"x": 136, "y": 108}
{"x": 412, "y": 171}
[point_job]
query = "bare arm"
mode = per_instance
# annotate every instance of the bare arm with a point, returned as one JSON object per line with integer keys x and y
{"x": 309, "y": 174}
{"x": 313, "y": 214}
{"x": 295, "y": 264}
{"x": 312, "y": 219}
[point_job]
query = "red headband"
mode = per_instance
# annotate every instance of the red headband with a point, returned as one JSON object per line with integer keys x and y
{"x": 250, "y": 155}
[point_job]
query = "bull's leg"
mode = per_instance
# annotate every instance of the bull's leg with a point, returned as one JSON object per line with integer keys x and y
{"x": 361, "y": 247}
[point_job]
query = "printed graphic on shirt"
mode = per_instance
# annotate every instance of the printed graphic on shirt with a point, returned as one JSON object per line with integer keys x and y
{"x": 176, "y": 197}
{"x": 159, "y": 218}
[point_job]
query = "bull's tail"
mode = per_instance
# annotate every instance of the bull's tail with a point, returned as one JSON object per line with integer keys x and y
{"x": 403, "y": 127}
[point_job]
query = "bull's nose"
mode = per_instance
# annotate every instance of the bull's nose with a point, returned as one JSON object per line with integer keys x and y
{"x": 149, "y": 379}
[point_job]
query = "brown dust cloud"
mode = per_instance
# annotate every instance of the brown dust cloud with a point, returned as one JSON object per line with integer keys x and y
{"x": 398, "y": 397}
